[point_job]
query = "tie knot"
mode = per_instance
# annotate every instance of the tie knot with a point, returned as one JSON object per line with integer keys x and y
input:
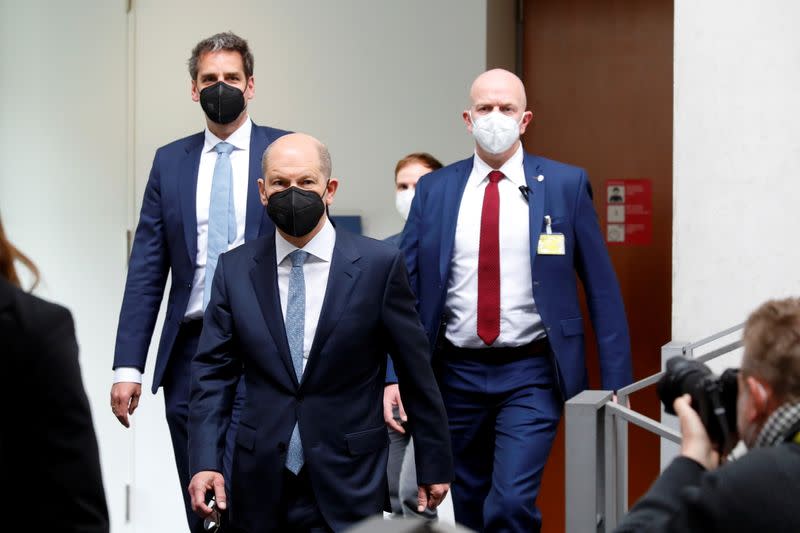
{"x": 298, "y": 257}
{"x": 223, "y": 148}
{"x": 495, "y": 176}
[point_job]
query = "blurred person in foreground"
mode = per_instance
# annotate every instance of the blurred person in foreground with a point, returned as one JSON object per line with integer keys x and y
{"x": 759, "y": 491}
{"x": 48, "y": 448}
{"x": 400, "y": 470}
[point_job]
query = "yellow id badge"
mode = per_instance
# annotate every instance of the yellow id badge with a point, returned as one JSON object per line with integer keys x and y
{"x": 551, "y": 244}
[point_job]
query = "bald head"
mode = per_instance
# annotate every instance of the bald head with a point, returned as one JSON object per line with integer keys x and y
{"x": 497, "y": 83}
{"x": 297, "y": 149}
{"x": 497, "y": 104}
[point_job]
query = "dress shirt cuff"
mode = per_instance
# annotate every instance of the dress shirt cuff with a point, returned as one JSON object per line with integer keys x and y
{"x": 128, "y": 374}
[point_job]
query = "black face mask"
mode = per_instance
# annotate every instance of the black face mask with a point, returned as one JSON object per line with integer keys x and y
{"x": 295, "y": 211}
{"x": 222, "y": 103}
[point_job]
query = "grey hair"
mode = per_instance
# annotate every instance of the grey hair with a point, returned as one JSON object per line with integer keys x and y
{"x": 222, "y": 41}
{"x": 325, "y": 164}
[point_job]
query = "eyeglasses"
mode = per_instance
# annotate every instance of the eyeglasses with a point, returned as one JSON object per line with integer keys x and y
{"x": 213, "y": 522}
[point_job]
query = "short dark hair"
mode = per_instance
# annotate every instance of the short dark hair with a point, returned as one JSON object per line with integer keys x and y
{"x": 772, "y": 346}
{"x": 222, "y": 41}
{"x": 423, "y": 158}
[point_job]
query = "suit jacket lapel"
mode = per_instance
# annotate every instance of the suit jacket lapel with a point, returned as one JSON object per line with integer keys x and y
{"x": 264, "y": 276}
{"x": 187, "y": 190}
{"x": 535, "y": 201}
{"x": 255, "y": 210}
{"x": 342, "y": 278}
{"x": 454, "y": 190}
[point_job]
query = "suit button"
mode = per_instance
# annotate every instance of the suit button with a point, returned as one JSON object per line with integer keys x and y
{"x": 535, "y": 283}
{"x": 188, "y": 285}
{"x": 281, "y": 447}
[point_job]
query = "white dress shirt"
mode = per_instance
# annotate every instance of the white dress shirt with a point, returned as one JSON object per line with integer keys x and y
{"x": 240, "y": 165}
{"x": 315, "y": 272}
{"x": 520, "y": 322}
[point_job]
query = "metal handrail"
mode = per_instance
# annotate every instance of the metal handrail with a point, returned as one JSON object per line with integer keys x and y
{"x": 644, "y": 422}
{"x": 597, "y": 435}
{"x": 692, "y": 345}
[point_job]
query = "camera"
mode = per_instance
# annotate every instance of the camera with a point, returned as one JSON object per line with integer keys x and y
{"x": 713, "y": 397}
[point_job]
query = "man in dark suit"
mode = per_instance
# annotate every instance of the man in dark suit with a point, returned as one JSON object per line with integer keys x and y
{"x": 493, "y": 244}
{"x": 400, "y": 470}
{"x": 758, "y": 491}
{"x": 201, "y": 199}
{"x": 307, "y": 315}
{"x": 48, "y": 442}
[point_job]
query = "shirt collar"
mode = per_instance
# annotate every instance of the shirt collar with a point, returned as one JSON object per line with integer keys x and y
{"x": 321, "y": 246}
{"x": 512, "y": 169}
{"x": 240, "y": 139}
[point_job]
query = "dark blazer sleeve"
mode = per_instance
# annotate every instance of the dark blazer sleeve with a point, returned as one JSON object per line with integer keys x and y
{"x": 55, "y": 446}
{"x": 147, "y": 275}
{"x": 409, "y": 238}
{"x": 408, "y": 344}
{"x": 215, "y": 372}
{"x": 391, "y": 375}
{"x": 665, "y": 506}
{"x": 603, "y": 294}
{"x": 757, "y": 492}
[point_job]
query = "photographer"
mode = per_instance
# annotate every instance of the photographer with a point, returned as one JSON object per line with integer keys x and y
{"x": 758, "y": 492}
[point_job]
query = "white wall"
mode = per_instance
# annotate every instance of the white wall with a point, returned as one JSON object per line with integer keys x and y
{"x": 736, "y": 161}
{"x": 373, "y": 80}
{"x": 63, "y": 182}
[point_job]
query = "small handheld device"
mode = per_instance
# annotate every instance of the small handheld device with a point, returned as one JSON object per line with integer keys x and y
{"x": 213, "y": 521}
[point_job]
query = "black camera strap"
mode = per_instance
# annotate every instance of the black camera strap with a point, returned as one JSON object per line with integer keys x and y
{"x": 718, "y": 408}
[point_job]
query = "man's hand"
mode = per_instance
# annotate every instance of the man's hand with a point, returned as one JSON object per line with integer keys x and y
{"x": 203, "y": 482}
{"x": 391, "y": 399}
{"x": 627, "y": 403}
{"x": 695, "y": 444}
{"x": 124, "y": 400}
{"x": 431, "y": 496}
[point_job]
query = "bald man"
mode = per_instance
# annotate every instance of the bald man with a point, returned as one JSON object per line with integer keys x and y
{"x": 492, "y": 245}
{"x": 307, "y": 315}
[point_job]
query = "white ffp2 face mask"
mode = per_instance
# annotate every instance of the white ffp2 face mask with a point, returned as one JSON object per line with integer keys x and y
{"x": 402, "y": 201}
{"x": 495, "y": 132}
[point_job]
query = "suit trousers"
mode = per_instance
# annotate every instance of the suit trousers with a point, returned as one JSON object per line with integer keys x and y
{"x": 177, "y": 384}
{"x": 503, "y": 416}
{"x": 299, "y": 509}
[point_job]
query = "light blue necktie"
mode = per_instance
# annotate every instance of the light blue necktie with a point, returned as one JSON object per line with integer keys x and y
{"x": 295, "y": 333}
{"x": 221, "y": 214}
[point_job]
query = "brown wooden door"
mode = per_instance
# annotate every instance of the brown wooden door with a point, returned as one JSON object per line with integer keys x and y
{"x": 598, "y": 75}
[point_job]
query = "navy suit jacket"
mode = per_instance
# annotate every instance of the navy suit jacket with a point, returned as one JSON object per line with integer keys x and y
{"x": 166, "y": 241}
{"x": 564, "y": 194}
{"x": 368, "y": 311}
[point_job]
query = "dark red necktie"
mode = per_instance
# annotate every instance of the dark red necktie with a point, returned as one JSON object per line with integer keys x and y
{"x": 489, "y": 262}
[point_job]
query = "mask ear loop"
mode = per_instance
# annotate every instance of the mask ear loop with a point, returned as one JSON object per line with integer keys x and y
{"x": 327, "y": 206}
